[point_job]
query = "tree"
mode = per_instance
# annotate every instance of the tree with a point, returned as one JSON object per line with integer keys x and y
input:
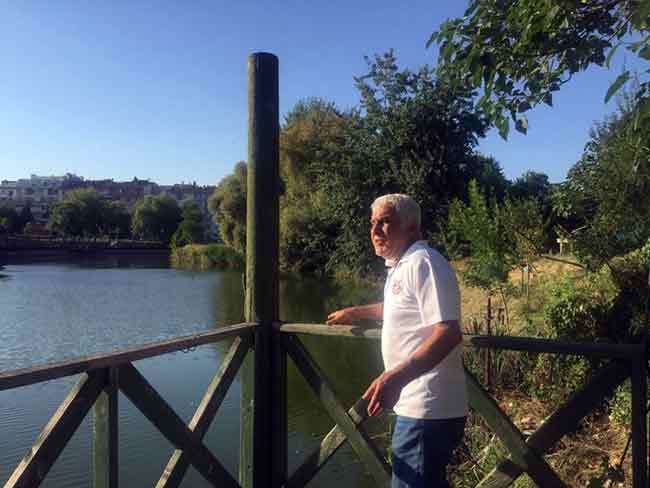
{"x": 117, "y": 220}
{"x": 10, "y": 218}
{"x": 518, "y": 52}
{"x": 496, "y": 237}
{"x": 604, "y": 199}
{"x": 24, "y": 218}
{"x": 311, "y": 138}
{"x": 81, "y": 213}
{"x": 413, "y": 134}
{"x": 228, "y": 208}
{"x": 190, "y": 230}
{"x": 156, "y": 217}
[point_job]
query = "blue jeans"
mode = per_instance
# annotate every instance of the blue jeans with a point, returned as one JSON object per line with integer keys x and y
{"x": 421, "y": 450}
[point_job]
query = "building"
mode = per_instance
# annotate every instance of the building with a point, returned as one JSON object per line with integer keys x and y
{"x": 39, "y": 193}
{"x": 125, "y": 192}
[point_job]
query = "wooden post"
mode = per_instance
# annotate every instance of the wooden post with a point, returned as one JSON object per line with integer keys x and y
{"x": 105, "y": 434}
{"x": 263, "y": 459}
{"x": 639, "y": 423}
{"x": 488, "y": 354}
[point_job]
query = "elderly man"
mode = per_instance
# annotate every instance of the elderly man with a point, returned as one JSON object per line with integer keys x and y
{"x": 423, "y": 381}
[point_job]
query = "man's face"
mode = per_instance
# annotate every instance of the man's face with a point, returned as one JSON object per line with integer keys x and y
{"x": 388, "y": 238}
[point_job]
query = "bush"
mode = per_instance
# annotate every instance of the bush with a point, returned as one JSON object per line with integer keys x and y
{"x": 206, "y": 256}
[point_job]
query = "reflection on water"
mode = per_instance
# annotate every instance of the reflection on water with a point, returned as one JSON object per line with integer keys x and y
{"x": 51, "y": 311}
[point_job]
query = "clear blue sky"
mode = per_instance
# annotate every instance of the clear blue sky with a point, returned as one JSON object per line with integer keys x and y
{"x": 158, "y": 89}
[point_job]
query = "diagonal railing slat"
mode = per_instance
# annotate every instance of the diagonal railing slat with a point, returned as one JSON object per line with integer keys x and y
{"x": 55, "y": 435}
{"x": 162, "y": 416}
{"x": 533, "y": 463}
{"x": 564, "y": 420}
{"x": 359, "y": 440}
{"x": 207, "y": 409}
{"x": 334, "y": 439}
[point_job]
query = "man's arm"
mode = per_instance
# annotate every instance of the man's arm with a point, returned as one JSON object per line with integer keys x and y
{"x": 372, "y": 311}
{"x": 384, "y": 391}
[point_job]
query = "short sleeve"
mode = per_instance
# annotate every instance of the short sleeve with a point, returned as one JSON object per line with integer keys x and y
{"x": 436, "y": 291}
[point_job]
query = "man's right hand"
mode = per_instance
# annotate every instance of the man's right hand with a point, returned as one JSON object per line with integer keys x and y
{"x": 343, "y": 316}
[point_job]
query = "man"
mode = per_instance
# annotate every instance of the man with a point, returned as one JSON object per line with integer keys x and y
{"x": 423, "y": 381}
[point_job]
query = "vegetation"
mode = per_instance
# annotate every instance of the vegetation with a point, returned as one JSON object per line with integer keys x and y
{"x": 205, "y": 257}
{"x": 228, "y": 207}
{"x": 190, "y": 230}
{"x": 85, "y": 213}
{"x": 520, "y": 52}
{"x": 156, "y": 217}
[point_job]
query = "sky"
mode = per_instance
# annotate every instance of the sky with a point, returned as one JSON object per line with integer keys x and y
{"x": 157, "y": 90}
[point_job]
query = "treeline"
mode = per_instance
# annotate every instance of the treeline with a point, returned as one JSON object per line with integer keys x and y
{"x": 85, "y": 213}
{"x": 411, "y": 133}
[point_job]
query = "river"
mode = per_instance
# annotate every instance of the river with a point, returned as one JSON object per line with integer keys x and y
{"x": 54, "y": 311}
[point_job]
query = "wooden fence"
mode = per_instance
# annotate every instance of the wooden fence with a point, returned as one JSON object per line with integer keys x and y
{"x": 261, "y": 346}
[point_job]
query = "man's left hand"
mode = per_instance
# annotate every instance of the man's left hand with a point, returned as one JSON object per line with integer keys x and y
{"x": 383, "y": 393}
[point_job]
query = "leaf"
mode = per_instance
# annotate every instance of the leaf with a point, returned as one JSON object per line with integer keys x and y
{"x": 433, "y": 38}
{"x": 645, "y": 52}
{"x": 522, "y": 124}
{"x": 503, "y": 125}
{"x": 548, "y": 99}
{"x": 610, "y": 55}
{"x": 618, "y": 83}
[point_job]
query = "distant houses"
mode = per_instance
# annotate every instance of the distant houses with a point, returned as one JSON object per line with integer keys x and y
{"x": 40, "y": 193}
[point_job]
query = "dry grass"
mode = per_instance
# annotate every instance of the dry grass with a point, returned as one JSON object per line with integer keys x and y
{"x": 474, "y": 300}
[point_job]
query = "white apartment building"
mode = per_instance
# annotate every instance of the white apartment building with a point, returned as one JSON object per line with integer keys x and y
{"x": 37, "y": 192}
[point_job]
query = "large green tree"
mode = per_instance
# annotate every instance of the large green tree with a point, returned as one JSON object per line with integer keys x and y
{"x": 413, "y": 134}
{"x": 604, "y": 199}
{"x": 156, "y": 217}
{"x": 228, "y": 208}
{"x": 84, "y": 212}
{"x": 190, "y": 230}
{"x": 519, "y": 52}
{"x": 311, "y": 138}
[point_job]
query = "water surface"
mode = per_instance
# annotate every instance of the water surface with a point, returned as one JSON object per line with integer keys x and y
{"x": 54, "y": 311}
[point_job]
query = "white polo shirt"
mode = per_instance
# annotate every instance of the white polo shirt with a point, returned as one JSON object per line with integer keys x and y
{"x": 420, "y": 291}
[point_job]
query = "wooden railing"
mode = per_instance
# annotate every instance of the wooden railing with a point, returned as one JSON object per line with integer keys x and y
{"x": 526, "y": 454}
{"x": 102, "y": 376}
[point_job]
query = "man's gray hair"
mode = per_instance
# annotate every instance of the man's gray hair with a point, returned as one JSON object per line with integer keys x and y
{"x": 408, "y": 209}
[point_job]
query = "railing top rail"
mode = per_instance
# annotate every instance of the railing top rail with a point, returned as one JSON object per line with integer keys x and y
{"x": 526, "y": 344}
{"x": 69, "y": 367}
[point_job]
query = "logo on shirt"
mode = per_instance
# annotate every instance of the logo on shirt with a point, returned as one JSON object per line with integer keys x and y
{"x": 397, "y": 287}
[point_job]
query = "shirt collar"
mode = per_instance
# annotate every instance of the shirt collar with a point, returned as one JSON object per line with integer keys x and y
{"x": 391, "y": 263}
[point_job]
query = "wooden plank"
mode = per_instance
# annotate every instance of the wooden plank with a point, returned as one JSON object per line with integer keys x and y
{"x": 207, "y": 409}
{"x": 55, "y": 435}
{"x": 530, "y": 344}
{"x": 59, "y": 369}
{"x": 349, "y": 331}
{"x": 105, "y": 435}
{"x": 162, "y": 416}
{"x": 264, "y": 433}
{"x": 639, "y": 423}
{"x": 526, "y": 457}
{"x": 564, "y": 420}
{"x": 359, "y": 440}
{"x": 328, "y": 447}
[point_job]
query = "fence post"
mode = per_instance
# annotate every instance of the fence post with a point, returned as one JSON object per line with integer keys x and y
{"x": 263, "y": 409}
{"x": 639, "y": 423}
{"x": 105, "y": 434}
